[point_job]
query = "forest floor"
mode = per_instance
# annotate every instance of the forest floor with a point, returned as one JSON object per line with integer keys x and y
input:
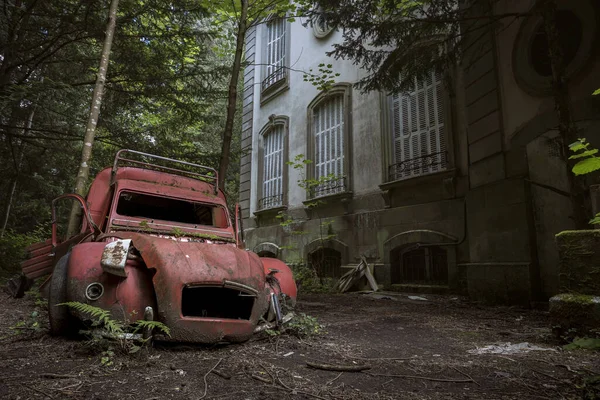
{"x": 416, "y": 349}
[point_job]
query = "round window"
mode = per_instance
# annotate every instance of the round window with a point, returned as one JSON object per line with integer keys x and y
{"x": 531, "y": 57}
{"x": 320, "y": 26}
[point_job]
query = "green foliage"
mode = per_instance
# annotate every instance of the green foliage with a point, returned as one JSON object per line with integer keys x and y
{"x": 303, "y": 326}
{"x": 596, "y": 92}
{"x": 165, "y": 93}
{"x": 324, "y": 79}
{"x": 585, "y": 343}
{"x": 13, "y": 245}
{"x": 32, "y": 323}
{"x": 113, "y": 328}
{"x": 309, "y": 281}
{"x": 102, "y": 317}
{"x": 588, "y": 160}
{"x": 587, "y": 163}
{"x": 108, "y": 335}
{"x": 396, "y": 41}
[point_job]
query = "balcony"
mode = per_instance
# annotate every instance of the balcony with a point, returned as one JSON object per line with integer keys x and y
{"x": 329, "y": 187}
{"x": 273, "y": 80}
{"x": 418, "y": 166}
{"x": 269, "y": 202}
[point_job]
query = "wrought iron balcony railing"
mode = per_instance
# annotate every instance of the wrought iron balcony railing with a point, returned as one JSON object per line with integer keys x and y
{"x": 421, "y": 165}
{"x": 331, "y": 186}
{"x": 277, "y": 75}
{"x": 270, "y": 202}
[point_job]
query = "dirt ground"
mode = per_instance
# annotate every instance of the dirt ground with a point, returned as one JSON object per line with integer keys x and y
{"x": 415, "y": 349}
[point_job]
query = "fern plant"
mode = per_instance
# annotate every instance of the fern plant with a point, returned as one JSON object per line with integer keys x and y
{"x": 112, "y": 327}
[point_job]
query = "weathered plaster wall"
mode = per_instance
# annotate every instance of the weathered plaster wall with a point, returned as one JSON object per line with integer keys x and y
{"x": 519, "y": 106}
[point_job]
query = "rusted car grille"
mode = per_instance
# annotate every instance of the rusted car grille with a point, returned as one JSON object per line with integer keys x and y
{"x": 216, "y": 302}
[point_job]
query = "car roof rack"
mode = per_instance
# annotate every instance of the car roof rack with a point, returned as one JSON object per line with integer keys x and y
{"x": 200, "y": 172}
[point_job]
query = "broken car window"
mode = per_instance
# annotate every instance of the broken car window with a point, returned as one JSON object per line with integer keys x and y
{"x": 151, "y": 207}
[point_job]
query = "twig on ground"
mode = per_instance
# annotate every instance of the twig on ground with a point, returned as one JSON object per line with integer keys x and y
{"x": 465, "y": 374}
{"x": 40, "y": 391}
{"x": 57, "y": 376}
{"x": 545, "y": 374}
{"x": 334, "y": 379}
{"x": 221, "y": 374}
{"x": 424, "y": 378}
{"x": 289, "y": 389}
{"x": 268, "y": 372}
{"x": 205, "y": 375}
{"x": 260, "y": 378}
{"x": 342, "y": 368}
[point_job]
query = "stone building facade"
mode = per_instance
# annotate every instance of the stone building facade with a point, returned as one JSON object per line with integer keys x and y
{"x": 455, "y": 186}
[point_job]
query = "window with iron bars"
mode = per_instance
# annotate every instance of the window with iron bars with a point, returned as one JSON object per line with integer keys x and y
{"x": 275, "y": 52}
{"x": 272, "y": 186}
{"x": 418, "y": 127}
{"x": 328, "y": 136}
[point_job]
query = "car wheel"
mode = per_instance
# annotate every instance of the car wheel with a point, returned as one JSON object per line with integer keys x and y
{"x": 62, "y": 323}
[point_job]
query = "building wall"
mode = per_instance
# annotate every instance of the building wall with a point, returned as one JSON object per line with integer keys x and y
{"x": 530, "y": 123}
{"x": 496, "y": 227}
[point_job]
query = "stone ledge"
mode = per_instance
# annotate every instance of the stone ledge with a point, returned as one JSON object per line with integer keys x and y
{"x": 576, "y": 314}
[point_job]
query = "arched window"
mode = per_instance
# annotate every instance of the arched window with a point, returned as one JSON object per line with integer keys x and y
{"x": 418, "y": 130}
{"x": 326, "y": 262}
{"x": 329, "y": 127}
{"x": 419, "y": 265}
{"x": 272, "y": 163}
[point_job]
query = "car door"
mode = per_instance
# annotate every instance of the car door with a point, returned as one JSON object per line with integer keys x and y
{"x": 44, "y": 255}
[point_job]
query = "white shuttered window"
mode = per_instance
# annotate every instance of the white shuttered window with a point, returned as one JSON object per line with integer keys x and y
{"x": 419, "y": 140}
{"x": 273, "y": 168}
{"x": 328, "y": 133}
{"x": 275, "y": 52}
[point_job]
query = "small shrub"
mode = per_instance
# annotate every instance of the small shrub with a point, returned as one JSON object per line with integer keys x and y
{"x": 13, "y": 245}
{"x": 303, "y": 325}
{"x": 309, "y": 282}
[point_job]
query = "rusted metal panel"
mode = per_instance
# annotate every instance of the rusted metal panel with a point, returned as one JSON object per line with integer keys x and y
{"x": 40, "y": 262}
{"x": 179, "y": 264}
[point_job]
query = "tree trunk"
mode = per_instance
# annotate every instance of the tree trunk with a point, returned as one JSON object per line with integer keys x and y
{"x": 232, "y": 94}
{"x": 90, "y": 130}
{"x": 566, "y": 127}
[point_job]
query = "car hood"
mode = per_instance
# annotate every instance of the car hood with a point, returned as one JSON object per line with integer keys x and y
{"x": 189, "y": 262}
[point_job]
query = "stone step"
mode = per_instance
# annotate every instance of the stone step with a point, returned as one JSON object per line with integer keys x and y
{"x": 414, "y": 288}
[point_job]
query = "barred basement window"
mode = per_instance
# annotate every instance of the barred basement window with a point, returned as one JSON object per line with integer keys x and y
{"x": 275, "y": 52}
{"x": 273, "y": 168}
{"x": 418, "y": 130}
{"x": 328, "y": 133}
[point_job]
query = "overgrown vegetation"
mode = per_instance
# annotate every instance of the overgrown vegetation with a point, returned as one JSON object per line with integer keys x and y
{"x": 301, "y": 326}
{"x": 109, "y": 336}
{"x": 308, "y": 273}
{"x": 13, "y": 245}
{"x": 587, "y": 162}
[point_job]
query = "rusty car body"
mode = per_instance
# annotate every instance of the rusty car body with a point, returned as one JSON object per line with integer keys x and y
{"x": 157, "y": 242}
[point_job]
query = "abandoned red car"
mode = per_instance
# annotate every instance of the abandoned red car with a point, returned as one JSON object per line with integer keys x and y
{"x": 157, "y": 242}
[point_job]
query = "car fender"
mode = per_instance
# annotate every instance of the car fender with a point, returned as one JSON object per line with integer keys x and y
{"x": 284, "y": 275}
{"x": 126, "y": 298}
